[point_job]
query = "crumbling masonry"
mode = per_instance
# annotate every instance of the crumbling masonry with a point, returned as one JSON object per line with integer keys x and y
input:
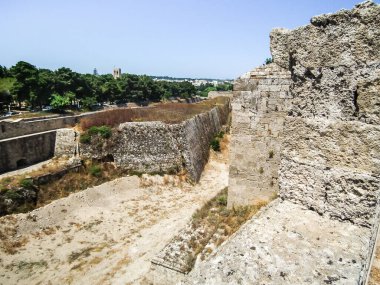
{"x": 307, "y": 128}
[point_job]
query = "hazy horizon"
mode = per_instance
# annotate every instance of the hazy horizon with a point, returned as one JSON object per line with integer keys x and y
{"x": 195, "y": 39}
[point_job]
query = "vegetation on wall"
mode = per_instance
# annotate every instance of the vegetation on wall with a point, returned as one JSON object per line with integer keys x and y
{"x": 215, "y": 143}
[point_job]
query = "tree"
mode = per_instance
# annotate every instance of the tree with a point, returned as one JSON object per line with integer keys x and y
{"x": 45, "y": 86}
{"x": 64, "y": 80}
{"x": 88, "y": 102}
{"x": 61, "y": 102}
{"x": 5, "y": 99}
{"x": 26, "y": 82}
{"x": 3, "y": 71}
{"x": 111, "y": 91}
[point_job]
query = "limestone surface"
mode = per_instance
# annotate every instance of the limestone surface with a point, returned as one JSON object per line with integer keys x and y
{"x": 259, "y": 107}
{"x": 288, "y": 244}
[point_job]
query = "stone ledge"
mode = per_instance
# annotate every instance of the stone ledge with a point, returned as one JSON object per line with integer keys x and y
{"x": 288, "y": 244}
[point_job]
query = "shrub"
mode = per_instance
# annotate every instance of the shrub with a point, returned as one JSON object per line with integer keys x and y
{"x": 85, "y": 138}
{"x": 215, "y": 144}
{"x": 261, "y": 170}
{"x": 103, "y": 131}
{"x": 271, "y": 154}
{"x": 26, "y": 183}
{"x": 12, "y": 195}
{"x": 222, "y": 200}
{"x": 95, "y": 170}
{"x": 220, "y": 135}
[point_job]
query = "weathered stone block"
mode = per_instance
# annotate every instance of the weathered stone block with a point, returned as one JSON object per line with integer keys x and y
{"x": 338, "y": 193}
{"x": 353, "y": 146}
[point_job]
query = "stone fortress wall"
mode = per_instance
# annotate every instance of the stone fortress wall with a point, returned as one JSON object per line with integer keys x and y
{"x": 156, "y": 147}
{"x": 321, "y": 119}
{"x": 10, "y": 128}
{"x": 26, "y": 150}
{"x": 323, "y": 228}
{"x": 152, "y": 147}
{"x": 259, "y": 106}
{"x": 330, "y": 158}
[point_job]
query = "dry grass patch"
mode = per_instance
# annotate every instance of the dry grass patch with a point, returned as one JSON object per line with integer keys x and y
{"x": 74, "y": 182}
{"x": 210, "y": 226}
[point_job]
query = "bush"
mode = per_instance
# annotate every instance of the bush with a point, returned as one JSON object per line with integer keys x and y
{"x": 222, "y": 200}
{"x": 26, "y": 183}
{"x": 12, "y": 195}
{"x": 215, "y": 144}
{"x": 103, "y": 131}
{"x": 271, "y": 154}
{"x": 95, "y": 170}
{"x": 85, "y": 138}
{"x": 220, "y": 135}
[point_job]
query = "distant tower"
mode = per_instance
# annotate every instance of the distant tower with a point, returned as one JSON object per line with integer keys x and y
{"x": 95, "y": 72}
{"x": 116, "y": 73}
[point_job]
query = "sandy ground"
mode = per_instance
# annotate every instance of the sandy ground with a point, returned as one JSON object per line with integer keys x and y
{"x": 104, "y": 235}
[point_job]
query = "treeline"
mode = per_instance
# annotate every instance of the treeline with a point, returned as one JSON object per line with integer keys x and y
{"x": 64, "y": 88}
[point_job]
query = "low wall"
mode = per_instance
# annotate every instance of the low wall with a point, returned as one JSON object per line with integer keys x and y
{"x": 214, "y": 94}
{"x": 26, "y": 150}
{"x": 9, "y": 129}
{"x": 156, "y": 147}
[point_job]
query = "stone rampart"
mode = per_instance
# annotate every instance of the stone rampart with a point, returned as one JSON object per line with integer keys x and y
{"x": 329, "y": 139}
{"x": 26, "y": 150}
{"x": 214, "y": 94}
{"x": 259, "y": 106}
{"x": 319, "y": 128}
{"x": 156, "y": 147}
{"x": 331, "y": 152}
{"x": 153, "y": 147}
{"x": 10, "y": 129}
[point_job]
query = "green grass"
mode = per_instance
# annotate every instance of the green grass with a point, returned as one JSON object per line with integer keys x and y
{"x": 95, "y": 170}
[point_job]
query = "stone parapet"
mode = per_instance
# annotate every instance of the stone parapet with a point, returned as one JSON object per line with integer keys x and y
{"x": 259, "y": 106}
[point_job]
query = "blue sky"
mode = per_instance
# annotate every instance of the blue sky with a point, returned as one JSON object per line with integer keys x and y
{"x": 182, "y": 38}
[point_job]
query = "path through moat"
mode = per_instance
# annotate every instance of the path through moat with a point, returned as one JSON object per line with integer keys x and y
{"x": 104, "y": 235}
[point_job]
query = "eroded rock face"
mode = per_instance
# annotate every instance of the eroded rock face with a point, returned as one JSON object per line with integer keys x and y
{"x": 331, "y": 152}
{"x": 345, "y": 38}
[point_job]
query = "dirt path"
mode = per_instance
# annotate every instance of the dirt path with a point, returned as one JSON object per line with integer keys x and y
{"x": 103, "y": 235}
